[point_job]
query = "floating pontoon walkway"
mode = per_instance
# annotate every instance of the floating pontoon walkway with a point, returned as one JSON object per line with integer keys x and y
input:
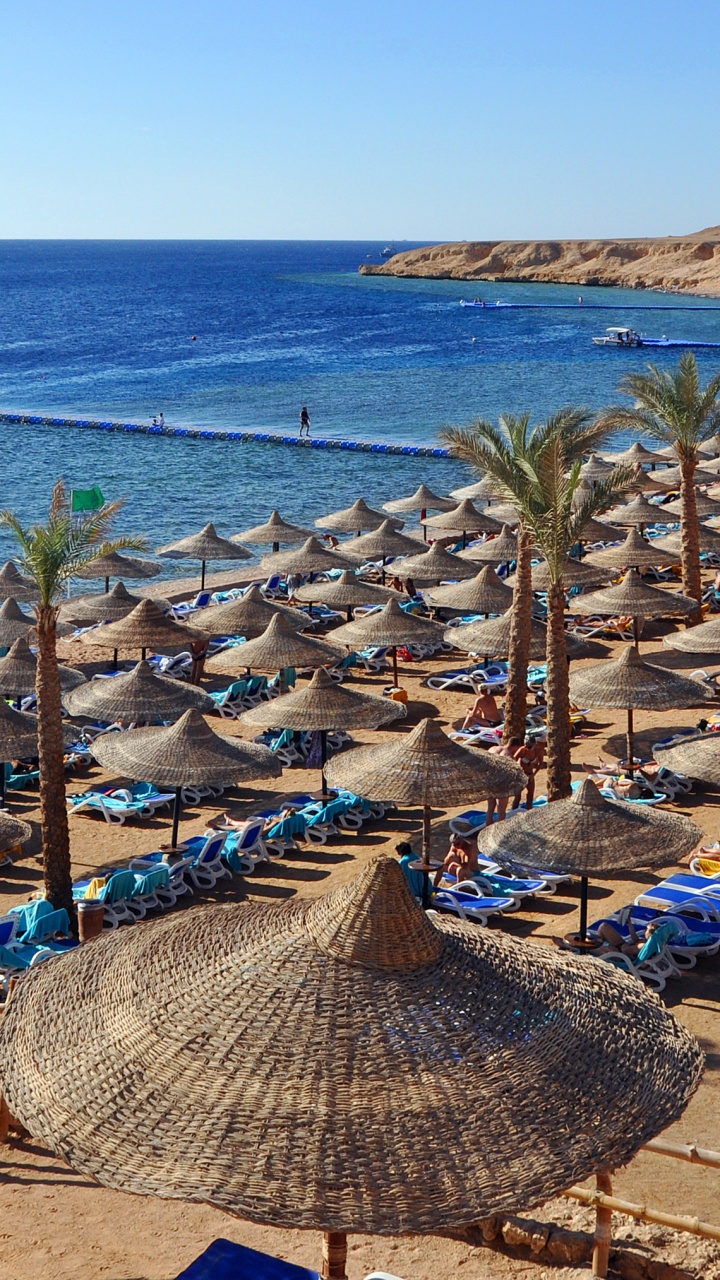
{"x": 242, "y": 437}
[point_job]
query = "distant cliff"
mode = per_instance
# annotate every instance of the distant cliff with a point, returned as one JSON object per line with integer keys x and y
{"x": 690, "y": 264}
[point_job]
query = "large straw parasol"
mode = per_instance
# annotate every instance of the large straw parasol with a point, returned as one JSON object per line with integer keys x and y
{"x": 14, "y": 623}
{"x": 704, "y": 505}
{"x": 323, "y": 706}
{"x": 145, "y": 627}
{"x": 708, "y": 541}
{"x": 381, "y": 543}
{"x": 140, "y": 695}
{"x": 588, "y": 835}
{"x": 597, "y": 531}
{"x": 576, "y": 573}
{"x": 505, "y": 512}
{"x": 636, "y": 456}
{"x": 389, "y": 627}
{"x": 464, "y": 519}
{"x": 311, "y": 557}
{"x": 672, "y": 477}
{"x": 697, "y": 756}
{"x": 484, "y": 489}
{"x": 499, "y": 550}
{"x": 13, "y": 832}
{"x": 275, "y": 530}
{"x": 346, "y": 592}
{"x": 18, "y": 738}
{"x": 632, "y": 598}
{"x": 335, "y": 1032}
{"x": 108, "y": 607}
{"x": 638, "y": 512}
{"x": 491, "y": 639}
{"x": 279, "y": 646}
{"x": 355, "y": 519}
{"x": 114, "y": 565}
{"x": 203, "y": 546}
{"x": 634, "y": 553}
{"x": 645, "y": 482}
{"x": 633, "y": 685}
{"x": 704, "y": 638}
{"x": 14, "y": 586}
{"x": 186, "y": 754}
{"x": 18, "y": 669}
{"x": 247, "y": 616}
{"x": 596, "y": 468}
{"x": 670, "y": 452}
{"x": 486, "y": 593}
{"x": 422, "y": 500}
{"x": 433, "y": 565}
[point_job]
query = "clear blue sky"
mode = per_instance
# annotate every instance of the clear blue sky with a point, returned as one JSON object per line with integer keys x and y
{"x": 359, "y": 119}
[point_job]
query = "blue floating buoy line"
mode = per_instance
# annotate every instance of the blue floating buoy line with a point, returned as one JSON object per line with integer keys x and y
{"x": 242, "y": 437}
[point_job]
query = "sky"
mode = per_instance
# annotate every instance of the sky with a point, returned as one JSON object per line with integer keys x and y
{"x": 359, "y": 119}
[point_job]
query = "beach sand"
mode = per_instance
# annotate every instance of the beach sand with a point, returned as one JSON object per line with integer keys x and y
{"x": 57, "y": 1225}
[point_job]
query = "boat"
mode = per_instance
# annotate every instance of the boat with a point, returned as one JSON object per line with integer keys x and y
{"x": 619, "y": 337}
{"x": 389, "y": 251}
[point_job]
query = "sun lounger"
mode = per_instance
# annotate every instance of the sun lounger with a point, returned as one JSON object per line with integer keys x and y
{"x": 118, "y": 804}
{"x": 462, "y": 678}
{"x": 38, "y": 920}
{"x": 240, "y": 696}
{"x": 224, "y": 1260}
{"x": 687, "y": 938}
{"x": 244, "y": 846}
{"x": 655, "y": 971}
{"x": 113, "y": 891}
{"x": 676, "y": 890}
{"x": 469, "y": 903}
{"x": 494, "y": 884}
{"x": 207, "y": 866}
{"x": 177, "y": 885}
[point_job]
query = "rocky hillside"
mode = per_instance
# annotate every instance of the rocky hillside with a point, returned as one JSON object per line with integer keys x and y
{"x": 690, "y": 264}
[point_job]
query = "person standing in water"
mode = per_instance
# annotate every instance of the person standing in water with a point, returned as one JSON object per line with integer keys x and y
{"x": 304, "y": 421}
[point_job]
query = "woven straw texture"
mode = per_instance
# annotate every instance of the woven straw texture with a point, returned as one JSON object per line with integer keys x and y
{"x": 382, "y": 542}
{"x": 248, "y": 616}
{"x": 423, "y": 499}
{"x": 636, "y": 456}
{"x": 486, "y": 593}
{"x": 711, "y": 464}
{"x": 289, "y": 1063}
{"x": 279, "y": 646}
{"x": 632, "y": 684}
{"x": 499, "y": 550}
{"x": 13, "y": 831}
{"x": 705, "y": 506}
{"x": 139, "y": 695}
{"x": 697, "y": 757}
{"x": 505, "y": 512}
{"x": 424, "y": 767}
{"x": 708, "y": 540}
{"x": 478, "y": 491}
{"x": 432, "y": 565}
{"x": 275, "y": 529}
{"x": 632, "y": 598}
{"x": 188, "y": 753}
{"x": 704, "y": 638}
{"x": 645, "y": 482}
{"x": 596, "y": 468}
{"x": 701, "y": 454}
{"x": 597, "y": 531}
{"x": 323, "y": 704}
{"x": 205, "y": 545}
{"x": 14, "y": 586}
{"x": 14, "y": 623}
{"x": 345, "y": 592}
{"x": 634, "y": 553}
{"x": 670, "y": 477}
{"x": 576, "y": 573}
{"x": 18, "y": 732}
{"x": 145, "y": 627}
{"x": 116, "y": 566}
{"x": 108, "y": 607}
{"x": 17, "y": 672}
{"x": 491, "y": 639}
{"x": 639, "y": 511}
{"x": 311, "y": 557}
{"x": 358, "y": 518}
{"x": 464, "y": 518}
{"x": 588, "y": 835}
{"x": 390, "y": 627}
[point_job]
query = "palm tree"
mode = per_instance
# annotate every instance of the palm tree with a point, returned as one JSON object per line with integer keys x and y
{"x": 674, "y": 408}
{"x": 50, "y": 554}
{"x": 500, "y": 453}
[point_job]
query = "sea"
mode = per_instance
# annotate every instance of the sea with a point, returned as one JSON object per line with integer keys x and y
{"x": 242, "y": 334}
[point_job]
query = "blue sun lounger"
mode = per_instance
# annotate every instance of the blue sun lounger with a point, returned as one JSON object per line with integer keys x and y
{"x": 224, "y": 1260}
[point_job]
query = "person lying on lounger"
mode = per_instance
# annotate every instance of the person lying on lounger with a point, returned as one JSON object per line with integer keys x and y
{"x": 484, "y": 711}
{"x": 461, "y": 860}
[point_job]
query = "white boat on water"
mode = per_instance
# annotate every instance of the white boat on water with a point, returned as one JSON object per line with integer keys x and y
{"x": 619, "y": 337}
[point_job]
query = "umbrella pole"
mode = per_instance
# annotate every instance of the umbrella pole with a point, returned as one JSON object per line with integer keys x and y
{"x": 202, "y": 577}
{"x": 395, "y": 670}
{"x": 2, "y": 785}
{"x": 583, "y": 907}
{"x": 107, "y": 584}
{"x": 423, "y": 514}
{"x": 142, "y": 654}
{"x": 323, "y": 761}
{"x": 276, "y": 546}
{"x": 630, "y": 742}
{"x": 176, "y": 817}
{"x": 334, "y": 1256}
{"x": 382, "y": 571}
{"x": 636, "y": 633}
{"x": 115, "y": 659}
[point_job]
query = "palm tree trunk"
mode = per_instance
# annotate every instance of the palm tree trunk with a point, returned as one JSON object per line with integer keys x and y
{"x": 519, "y": 648}
{"x": 690, "y": 539}
{"x": 558, "y": 697}
{"x": 53, "y": 809}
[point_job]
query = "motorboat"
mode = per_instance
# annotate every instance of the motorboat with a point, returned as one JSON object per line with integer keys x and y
{"x": 619, "y": 337}
{"x": 389, "y": 251}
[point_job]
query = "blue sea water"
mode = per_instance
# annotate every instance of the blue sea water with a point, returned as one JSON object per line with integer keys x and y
{"x": 105, "y": 329}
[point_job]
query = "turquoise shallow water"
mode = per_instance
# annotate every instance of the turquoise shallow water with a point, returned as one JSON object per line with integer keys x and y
{"x": 105, "y": 330}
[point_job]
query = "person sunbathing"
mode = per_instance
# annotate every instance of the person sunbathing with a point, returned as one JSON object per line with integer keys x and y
{"x": 611, "y": 939}
{"x": 484, "y": 711}
{"x": 461, "y": 860}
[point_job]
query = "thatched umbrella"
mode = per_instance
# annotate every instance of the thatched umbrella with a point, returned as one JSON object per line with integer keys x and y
{"x": 672, "y": 477}
{"x": 492, "y": 639}
{"x": 14, "y": 623}
{"x": 644, "y": 482}
{"x": 18, "y": 668}
{"x": 671, "y": 544}
{"x": 14, "y": 586}
{"x": 712, "y": 446}
{"x": 463, "y": 519}
{"x": 145, "y": 627}
{"x": 324, "y": 706}
{"x": 275, "y": 530}
{"x": 433, "y": 565}
{"x": 505, "y": 512}
{"x": 114, "y": 565}
{"x": 109, "y": 607}
{"x": 382, "y": 543}
{"x": 596, "y": 468}
{"x": 203, "y": 546}
{"x": 638, "y": 512}
{"x": 425, "y": 768}
{"x": 320, "y": 1117}
{"x": 632, "y": 598}
{"x": 311, "y": 558}
{"x": 704, "y": 638}
{"x": 355, "y": 519}
{"x": 139, "y": 695}
{"x": 636, "y": 456}
{"x": 499, "y": 550}
{"x": 279, "y": 646}
{"x": 706, "y": 506}
{"x": 247, "y": 616}
{"x": 422, "y": 500}
{"x": 389, "y": 627}
{"x": 346, "y": 592}
{"x": 480, "y": 490}
{"x": 576, "y": 573}
{"x": 634, "y": 553}
{"x": 697, "y": 756}
{"x": 186, "y": 754}
{"x": 631, "y": 685}
{"x": 669, "y": 452}
{"x": 13, "y": 832}
{"x": 18, "y": 737}
{"x": 486, "y": 593}
{"x": 588, "y": 835}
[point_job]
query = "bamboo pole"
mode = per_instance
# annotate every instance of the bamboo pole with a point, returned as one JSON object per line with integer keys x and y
{"x": 693, "y": 1226}
{"x": 603, "y": 1229}
{"x": 334, "y": 1256}
{"x": 689, "y": 1152}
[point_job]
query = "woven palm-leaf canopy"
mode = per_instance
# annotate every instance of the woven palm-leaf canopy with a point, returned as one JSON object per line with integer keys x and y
{"x": 247, "y": 616}
{"x": 492, "y": 639}
{"x": 480, "y": 490}
{"x": 324, "y": 704}
{"x": 355, "y": 519}
{"x": 598, "y": 531}
{"x": 14, "y": 623}
{"x": 596, "y": 468}
{"x": 311, "y": 557}
{"x": 485, "y": 593}
{"x": 140, "y": 695}
{"x": 320, "y": 1117}
{"x": 18, "y": 668}
{"x": 645, "y": 482}
{"x": 697, "y": 756}
{"x": 637, "y": 512}
{"x": 275, "y": 530}
{"x": 708, "y": 541}
{"x": 14, "y": 586}
{"x": 630, "y": 683}
{"x": 632, "y": 598}
{"x": 145, "y": 627}
{"x": 380, "y": 543}
{"x": 499, "y": 550}
{"x": 704, "y": 638}
{"x": 705, "y": 453}
{"x": 18, "y": 732}
{"x": 671, "y": 477}
{"x": 505, "y": 512}
{"x": 423, "y": 499}
{"x": 389, "y": 627}
{"x": 576, "y": 573}
{"x": 345, "y": 592}
{"x": 705, "y": 506}
{"x": 114, "y": 565}
{"x": 636, "y": 456}
{"x": 279, "y": 646}
{"x": 433, "y": 565}
{"x": 108, "y": 607}
{"x": 464, "y": 518}
{"x": 13, "y": 831}
{"x": 634, "y": 553}
{"x": 205, "y": 545}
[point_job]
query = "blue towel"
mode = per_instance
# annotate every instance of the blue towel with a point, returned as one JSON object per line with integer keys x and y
{"x": 655, "y": 943}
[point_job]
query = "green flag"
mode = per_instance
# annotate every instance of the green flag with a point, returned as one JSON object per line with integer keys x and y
{"x": 87, "y": 499}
